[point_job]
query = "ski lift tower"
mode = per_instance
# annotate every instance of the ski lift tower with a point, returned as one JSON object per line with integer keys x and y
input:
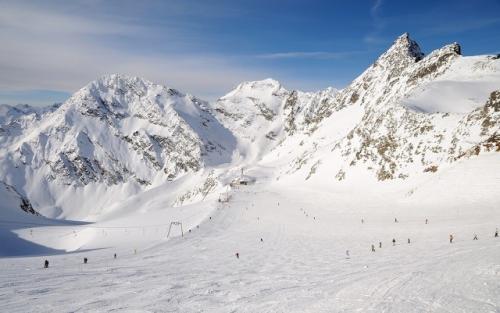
{"x": 175, "y": 224}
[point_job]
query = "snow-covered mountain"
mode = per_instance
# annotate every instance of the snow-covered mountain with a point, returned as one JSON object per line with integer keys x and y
{"x": 407, "y": 115}
{"x": 117, "y": 132}
{"x": 267, "y": 200}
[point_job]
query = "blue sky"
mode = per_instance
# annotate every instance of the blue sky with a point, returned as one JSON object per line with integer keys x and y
{"x": 52, "y": 48}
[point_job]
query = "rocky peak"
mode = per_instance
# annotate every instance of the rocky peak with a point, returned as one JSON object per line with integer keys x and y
{"x": 404, "y": 49}
{"x": 405, "y": 45}
{"x": 435, "y": 63}
{"x": 451, "y": 49}
{"x": 403, "y": 53}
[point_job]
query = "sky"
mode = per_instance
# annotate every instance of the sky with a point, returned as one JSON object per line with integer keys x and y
{"x": 50, "y": 49}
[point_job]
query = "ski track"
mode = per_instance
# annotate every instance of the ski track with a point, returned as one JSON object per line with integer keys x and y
{"x": 300, "y": 267}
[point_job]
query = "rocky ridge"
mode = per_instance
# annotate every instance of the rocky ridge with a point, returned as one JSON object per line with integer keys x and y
{"x": 126, "y": 131}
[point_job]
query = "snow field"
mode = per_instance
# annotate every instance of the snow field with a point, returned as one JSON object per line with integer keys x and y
{"x": 300, "y": 266}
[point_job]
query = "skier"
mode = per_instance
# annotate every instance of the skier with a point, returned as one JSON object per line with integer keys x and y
{"x": 46, "y": 264}
{"x": 373, "y": 248}
{"x": 408, "y": 240}
{"x": 237, "y": 255}
{"x": 261, "y": 240}
{"x": 451, "y": 238}
{"x": 496, "y": 233}
{"x": 395, "y": 220}
{"x": 426, "y": 221}
{"x": 362, "y": 221}
{"x": 85, "y": 260}
{"x": 114, "y": 256}
{"x": 393, "y": 241}
{"x": 475, "y": 237}
{"x": 347, "y": 253}
{"x": 380, "y": 244}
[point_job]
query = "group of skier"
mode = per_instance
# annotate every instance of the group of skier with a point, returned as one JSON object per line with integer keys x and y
{"x": 85, "y": 261}
{"x": 393, "y": 243}
{"x": 451, "y": 238}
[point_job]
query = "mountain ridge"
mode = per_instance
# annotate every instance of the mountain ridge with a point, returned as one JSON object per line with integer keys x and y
{"x": 121, "y": 135}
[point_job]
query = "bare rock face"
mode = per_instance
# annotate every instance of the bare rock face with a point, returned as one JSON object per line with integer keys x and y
{"x": 12, "y": 198}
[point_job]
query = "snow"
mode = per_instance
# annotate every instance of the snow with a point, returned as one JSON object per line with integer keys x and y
{"x": 301, "y": 265}
{"x": 460, "y": 90}
{"x": 147, "y": 172}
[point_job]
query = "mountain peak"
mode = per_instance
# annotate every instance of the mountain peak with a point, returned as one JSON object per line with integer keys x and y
{"x": 401, "y": 54}
{"x": 116, "y": 79}
{"x": 258, "y": 88}
{"x": 452, "y": 48}
{"x": 260, "y": 84}
{"x": 123, "y": 82}
{"x": 407, "y": 47}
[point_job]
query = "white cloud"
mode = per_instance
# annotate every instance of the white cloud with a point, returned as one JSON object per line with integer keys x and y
{"x": 375, "y": 7}
{"x": 374, "y": 36}
{"x": 55, "y": 50}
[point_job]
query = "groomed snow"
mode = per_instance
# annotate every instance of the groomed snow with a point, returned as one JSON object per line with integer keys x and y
{"x": 301, "y": 265}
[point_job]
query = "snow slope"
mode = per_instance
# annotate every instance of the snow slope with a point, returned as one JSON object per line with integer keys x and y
{"x": 301, "y": 265}
{"x": 464, "y": 87}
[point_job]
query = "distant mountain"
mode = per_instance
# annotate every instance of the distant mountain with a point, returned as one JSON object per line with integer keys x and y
{"x": 116, "y": 130}
{"x": 407, "y": 115}
{"x": 396, "y": 119}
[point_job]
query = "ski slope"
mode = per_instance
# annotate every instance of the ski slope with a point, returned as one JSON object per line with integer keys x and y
{"x": 312, "y": 181}
{"x": 301, "y": 265}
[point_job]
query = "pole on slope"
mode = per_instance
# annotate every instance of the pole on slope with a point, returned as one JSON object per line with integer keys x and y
{"x": 175, "y": 223}
{"x": 169, "y": 228}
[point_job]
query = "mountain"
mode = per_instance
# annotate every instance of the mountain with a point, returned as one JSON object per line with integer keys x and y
{"x": 407, "y": 116}
{"x": 116, "y": 133}
{"x": 262, "y": 114}
{"x": 383, "y": 122}
{"x": 181, "y": 205}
